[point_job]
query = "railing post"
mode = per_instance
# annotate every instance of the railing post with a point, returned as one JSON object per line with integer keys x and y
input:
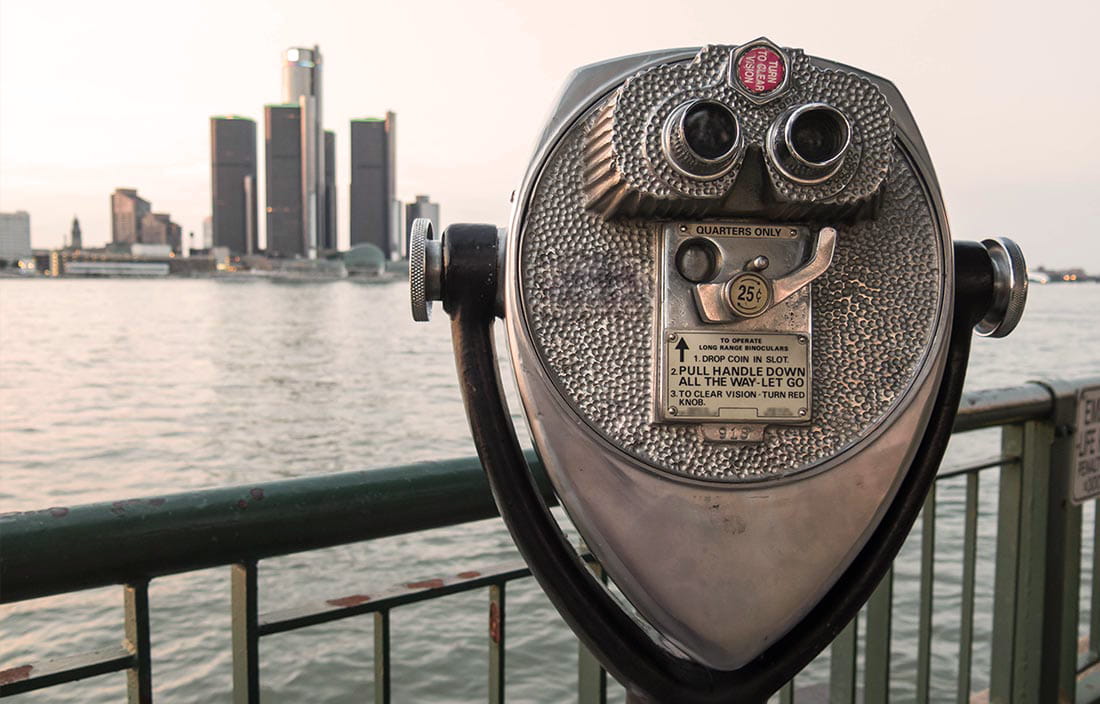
{"x": 1094, "y": 597}
{"x": 382, "y": 657}
{"x": 786, "y": 693}
{"x": 243, "y": 603}
{"x": 591, "y": 677}
{"x": 969, "y": 573}
{"x": 1038, "y": 563}
{"x": 842, "y": 667}
{"x": 1063, "y": 558}
{"x": 876, "y": 644}
{"x": 496, "y": 643}
{"x": 139, "y": 678}
{"x": 927, "y": 578}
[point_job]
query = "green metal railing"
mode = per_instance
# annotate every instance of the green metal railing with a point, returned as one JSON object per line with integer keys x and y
{"x": 1035, "y": 653}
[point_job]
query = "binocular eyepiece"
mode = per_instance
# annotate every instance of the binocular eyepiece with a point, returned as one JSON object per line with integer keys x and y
{"x": 806, "y": 143}
{"x": 739, "y": 328}
{"x": 702, "y": 140}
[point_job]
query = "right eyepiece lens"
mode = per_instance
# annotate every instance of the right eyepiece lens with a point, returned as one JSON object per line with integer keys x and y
{"x": 808, "y": 143}
{"x": 818, "y": 135}
{"x": 710, "y": 129}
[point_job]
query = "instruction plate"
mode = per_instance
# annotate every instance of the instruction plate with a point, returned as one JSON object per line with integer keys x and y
{"x": 728, "y": 376}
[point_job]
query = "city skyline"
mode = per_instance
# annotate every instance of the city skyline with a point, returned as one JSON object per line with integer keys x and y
{"x": 467, "y": 126}
{"x": 300, "y": 189}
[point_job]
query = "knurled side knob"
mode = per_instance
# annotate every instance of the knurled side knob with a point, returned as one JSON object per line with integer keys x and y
{"x": 1009, "y": 288}
{"x": 425, "y": 269}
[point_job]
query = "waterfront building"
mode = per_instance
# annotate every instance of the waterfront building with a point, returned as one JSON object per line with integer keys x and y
{"x": 150, "y": 250}
{"x": 302, "y": 85}
{"x": 158, "y": 229}
{"x": 422, "y": 207}
{"x": 76, "y": 240}
{"x": 15, "y": 236}
{"x": 373, "y": 166}
{"x": 328, "y": 243}
{"x": 397, "y": 229}
{"x": 128, "y": 211}
{"x": 298, "y": 204}
{"x": 283, "y": 157}
{"x": 175, "y": 236}
{"x": 114, "y": 268}
{"x": 153, "y": 230}
{"x": 41, "y": 258}
{"x": 365, "y": 260}
{"x": 233, "y": 184}
{"x": 207, "y": 232}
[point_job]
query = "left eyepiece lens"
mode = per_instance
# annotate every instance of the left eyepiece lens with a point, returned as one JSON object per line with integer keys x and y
{"x": 710, "y": 129}
{"x": 702, "y": 139}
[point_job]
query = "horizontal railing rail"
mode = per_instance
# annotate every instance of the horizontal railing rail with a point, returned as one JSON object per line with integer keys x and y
{"x": 107, "y": 543}
{"x": 130, "y": 542}
{"x": 62, "y": 549}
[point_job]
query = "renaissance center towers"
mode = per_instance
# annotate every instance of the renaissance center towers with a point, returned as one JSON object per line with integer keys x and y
{"x": 301, "y": 195}
{"x": 298, "y": 218}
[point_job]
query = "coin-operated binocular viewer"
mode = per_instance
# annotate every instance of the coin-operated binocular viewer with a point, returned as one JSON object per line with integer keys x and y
{"x": 739, "y": 328}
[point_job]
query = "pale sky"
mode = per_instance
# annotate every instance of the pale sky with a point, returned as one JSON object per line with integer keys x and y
{"x": 97, "y": 95}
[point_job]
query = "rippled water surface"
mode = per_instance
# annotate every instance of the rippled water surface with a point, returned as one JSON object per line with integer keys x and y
{"x": 113, "y": 389}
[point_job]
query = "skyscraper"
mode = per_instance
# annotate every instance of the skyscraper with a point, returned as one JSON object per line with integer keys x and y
{"x": 372, "y": 184}
{"x": 423, "y": 207}
{"x": 15, "y": 236}
{"x": 283, "y": 155}
{"x": 329, "y": 230}
{"x": 302, "y": 97}
{"x": 233, "y": 183}
{"x": 128, "y": 210}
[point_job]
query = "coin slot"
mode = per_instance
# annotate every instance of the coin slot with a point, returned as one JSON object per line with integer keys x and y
{"x": 697, "y": 260}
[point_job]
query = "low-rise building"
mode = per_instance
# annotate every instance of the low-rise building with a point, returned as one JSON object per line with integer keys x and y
{"x": 15, "y": 237}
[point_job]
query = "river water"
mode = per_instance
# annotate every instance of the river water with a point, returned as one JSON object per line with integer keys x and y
{"x": 113, "y": 389}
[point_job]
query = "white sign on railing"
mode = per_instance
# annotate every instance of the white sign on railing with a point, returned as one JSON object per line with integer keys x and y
{"x": 1086, "y": 446}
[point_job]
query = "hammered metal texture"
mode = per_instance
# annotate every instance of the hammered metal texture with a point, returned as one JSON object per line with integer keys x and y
{"x": 627, "y": 165}
{"x": 589, "y": 295}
